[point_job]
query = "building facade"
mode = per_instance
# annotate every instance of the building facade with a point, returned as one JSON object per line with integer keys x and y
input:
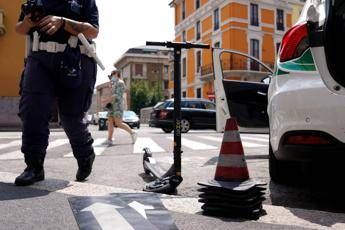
{"x": 254, "y": 27}
{"x": 12, "y": 49}
{"x": 146, "y": 63}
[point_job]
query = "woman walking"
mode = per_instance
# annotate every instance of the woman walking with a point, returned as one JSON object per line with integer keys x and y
{"x": 116, "y": 108}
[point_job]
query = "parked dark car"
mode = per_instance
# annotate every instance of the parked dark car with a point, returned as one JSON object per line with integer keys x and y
{"x": 129, "y": 117}
{"x": 196, "y": 114}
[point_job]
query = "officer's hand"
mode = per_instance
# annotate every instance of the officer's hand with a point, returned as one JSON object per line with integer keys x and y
{"x": 50, "y": 24}
{"x": 28, "y": 22}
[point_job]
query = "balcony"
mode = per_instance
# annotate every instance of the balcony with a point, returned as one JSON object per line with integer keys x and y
{"x": 237, "y": 68}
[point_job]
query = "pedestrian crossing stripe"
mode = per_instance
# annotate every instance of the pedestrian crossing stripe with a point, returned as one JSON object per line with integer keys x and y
{"x": 248, "y": 144}
{"x": 11, "y": 144}
{"x": 98, "y": 146}
{"x": 144, "y": 142}
{"x": 195, "y": 145}
{"x": 17, "y": 155}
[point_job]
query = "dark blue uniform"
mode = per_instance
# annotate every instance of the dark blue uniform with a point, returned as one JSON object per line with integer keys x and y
{"x": 44, "y": 81}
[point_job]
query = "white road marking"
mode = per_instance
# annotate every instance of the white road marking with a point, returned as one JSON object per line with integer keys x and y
{"x": 144, "y": 142}
{"x": 258, "y": 139}
{"x": 98, "y": 145}
{"x": 108, "y": 217}
{"x": 11, "y": 144}
{"x": 276, "y": 215}
{"x": 17, "y": 155}
{"x": 195, "y": 145}
{"x": 140, "y": 208}
{"x": 248, "y": 144}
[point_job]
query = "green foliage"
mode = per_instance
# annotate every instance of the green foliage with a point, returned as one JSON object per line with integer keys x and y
{"x": 144, "y": 94}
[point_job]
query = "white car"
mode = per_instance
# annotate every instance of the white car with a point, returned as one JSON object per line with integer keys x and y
{"x": 305, "y": 98}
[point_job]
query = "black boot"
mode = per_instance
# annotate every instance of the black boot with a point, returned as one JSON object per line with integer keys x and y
{"x": 34, "y": 172}
{"x": 84, "y": 167}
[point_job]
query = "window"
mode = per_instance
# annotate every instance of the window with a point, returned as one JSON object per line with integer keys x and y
{"x": 197, "y": 4}
{"x": 280, "y": 20}
{"x": 277, "y": 47}
{"x": 209, "y": 105}
{"x": 138, "y": 70}
{"x": 255, "y": 52}
{"x": 198, "y": 61}
{"x": 217, "y": 45}
{"x": 254, "y": 14}
{"x": 198, "y": 30}
{"x": 184, "y": 67}
{"x": 216, "y": 19}
{"x": 184, "y": 94}
{"x": 198, "y": 92}
{"x": 184, "y": 39}
{"x": 183, "y": 9}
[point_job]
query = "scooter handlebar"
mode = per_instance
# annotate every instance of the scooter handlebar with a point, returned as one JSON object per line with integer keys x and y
{"x": 179, "y": 45}
{"x": 156, "y": 43}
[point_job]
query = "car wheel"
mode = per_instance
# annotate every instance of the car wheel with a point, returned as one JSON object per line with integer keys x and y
{"x": 102, "y": 125}
{"x": 279, "y": 170}
{"x": 167, "y": 130}
{"x": 138, "y": 126}
{"x": 185, "y": 126}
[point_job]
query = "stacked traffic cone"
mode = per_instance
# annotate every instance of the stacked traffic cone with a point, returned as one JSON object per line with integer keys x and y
{"x": 232, "y": 193}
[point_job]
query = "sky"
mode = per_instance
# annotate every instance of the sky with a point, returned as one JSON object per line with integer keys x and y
{"x": 130, "y": 23}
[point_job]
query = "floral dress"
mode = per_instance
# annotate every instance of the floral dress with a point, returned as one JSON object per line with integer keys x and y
{"x": 117, "y": 108}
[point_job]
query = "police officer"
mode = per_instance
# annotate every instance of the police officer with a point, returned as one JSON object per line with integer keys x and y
{"x": 57, "y": 68}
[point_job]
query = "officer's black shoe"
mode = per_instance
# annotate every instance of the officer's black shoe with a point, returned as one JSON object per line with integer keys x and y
{"x": 29, "y": 176}
{"x": 84, "y": 167}
{"x": 34, "y": 172}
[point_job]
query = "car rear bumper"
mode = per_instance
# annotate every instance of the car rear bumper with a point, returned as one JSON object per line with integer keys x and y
{"x": 308, "y": 153}
{"x": 300, "y": 101}
{"x": 132, "y": 124}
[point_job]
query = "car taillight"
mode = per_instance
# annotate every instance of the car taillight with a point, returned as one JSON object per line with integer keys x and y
{"x": 307, "y": 140}
{"x": 163, "y": 114}
{"x": 294, "y": 43}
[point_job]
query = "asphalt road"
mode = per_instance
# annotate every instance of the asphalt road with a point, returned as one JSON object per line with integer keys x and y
{"x": 118, "y": 169}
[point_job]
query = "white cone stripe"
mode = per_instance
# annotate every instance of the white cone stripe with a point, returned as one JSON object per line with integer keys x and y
{"x": 146, "y": 142}
{"x": 11, "y": 144}
{"x": 97, "y": 146}
{"x": 195, "y": 145}
{"x": 231, "y": 136}
{"x": 233, "y": 160}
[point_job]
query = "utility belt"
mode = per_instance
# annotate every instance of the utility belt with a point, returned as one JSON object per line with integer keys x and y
{"x": 55, "y": 47}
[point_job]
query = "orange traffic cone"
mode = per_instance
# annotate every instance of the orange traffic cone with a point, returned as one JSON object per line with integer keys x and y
{"x": 232, "y": 192}
{"x": 231, "y": 165}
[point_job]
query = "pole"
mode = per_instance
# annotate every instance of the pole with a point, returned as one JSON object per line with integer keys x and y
{"x": 177, "y": 111}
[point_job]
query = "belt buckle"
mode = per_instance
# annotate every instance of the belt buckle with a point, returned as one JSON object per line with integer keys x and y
{"x": 51, "y": 47}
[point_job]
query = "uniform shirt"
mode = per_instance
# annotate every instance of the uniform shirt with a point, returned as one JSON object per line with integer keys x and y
{"x": 78, "y": 10}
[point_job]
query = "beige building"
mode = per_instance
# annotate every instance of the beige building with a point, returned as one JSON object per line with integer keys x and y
{"x": 147, "y": 63}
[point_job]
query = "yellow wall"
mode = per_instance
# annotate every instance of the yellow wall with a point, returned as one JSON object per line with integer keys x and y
{"x": 12, "y": 48}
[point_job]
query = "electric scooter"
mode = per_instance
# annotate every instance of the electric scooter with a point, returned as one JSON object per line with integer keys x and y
{"x": 167, "y": 182}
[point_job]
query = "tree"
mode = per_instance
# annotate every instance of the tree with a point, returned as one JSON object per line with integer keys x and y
{"x": 144, "y": 94}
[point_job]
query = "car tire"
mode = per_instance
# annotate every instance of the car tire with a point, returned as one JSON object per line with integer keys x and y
{"x": 102, "y": 125}
{"x": 185, "y": 126}
{"x": 279, "y": 170}
{"x": 167, "y": 130}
